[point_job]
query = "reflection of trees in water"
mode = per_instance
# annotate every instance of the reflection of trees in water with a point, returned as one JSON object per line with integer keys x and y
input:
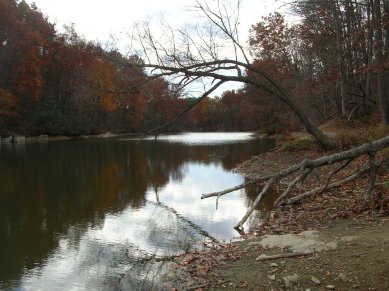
{"x": 187, "y": 225}
{"x": 173, "y": 233}
{"x": 146, "y": 272}
{"x": 228, "y": 155}
{"x": 45, "y": 191}
{"x": 46, "y": 188}
{"x": 264, "y": 208}
{"x": 267, "y": 203}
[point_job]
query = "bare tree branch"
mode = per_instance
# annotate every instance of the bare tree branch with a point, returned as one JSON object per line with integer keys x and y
{"x": 181, "y": 56}
{"x": 171, "y": 121}
{"x": 334, "y": 173}
{"x": 304, "y": 174}
{"x": 318, "y": 190}
{"x": 269, "y": 183}
{"x": 306, "y": 166}
{"x": 373, "y": 174}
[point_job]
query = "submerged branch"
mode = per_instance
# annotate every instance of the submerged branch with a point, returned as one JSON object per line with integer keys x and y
{"x": 256, "y": 202}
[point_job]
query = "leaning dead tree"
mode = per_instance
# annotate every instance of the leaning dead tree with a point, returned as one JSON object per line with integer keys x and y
{"x": 300, "y": 171}
{"x": 207, "y": 55}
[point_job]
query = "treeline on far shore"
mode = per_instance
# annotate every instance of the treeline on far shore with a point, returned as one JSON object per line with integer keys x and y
{"x": 332, "y": 62}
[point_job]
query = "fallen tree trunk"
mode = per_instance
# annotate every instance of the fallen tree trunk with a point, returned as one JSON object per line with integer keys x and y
{"x": 306, "y": 167}
{"x": 329, "y": 186}
{"x": 256, "y": 202}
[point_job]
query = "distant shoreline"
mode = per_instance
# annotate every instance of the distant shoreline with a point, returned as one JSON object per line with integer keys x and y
{"x": 17, "y": 139}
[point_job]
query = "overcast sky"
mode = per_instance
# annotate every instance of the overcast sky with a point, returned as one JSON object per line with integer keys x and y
{"x": 97, "y": 19}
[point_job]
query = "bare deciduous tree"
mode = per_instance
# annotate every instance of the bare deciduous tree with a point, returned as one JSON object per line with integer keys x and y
{"x": 211, "y": 54}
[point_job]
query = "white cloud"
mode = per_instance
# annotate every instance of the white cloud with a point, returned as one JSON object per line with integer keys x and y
{"x": 97, "y": 19}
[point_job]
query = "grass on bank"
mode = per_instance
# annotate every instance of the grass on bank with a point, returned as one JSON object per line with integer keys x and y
{"x": 347, "y": 134}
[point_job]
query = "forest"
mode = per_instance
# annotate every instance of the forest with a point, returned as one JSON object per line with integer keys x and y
{"x": 333, "y": 62}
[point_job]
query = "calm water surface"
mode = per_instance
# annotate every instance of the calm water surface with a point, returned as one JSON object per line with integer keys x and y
{"x": 89, "y": 215}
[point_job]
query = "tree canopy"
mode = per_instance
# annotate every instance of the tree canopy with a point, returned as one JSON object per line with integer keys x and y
{"x": 332, "y": 62}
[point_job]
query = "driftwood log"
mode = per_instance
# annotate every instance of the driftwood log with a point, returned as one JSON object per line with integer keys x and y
{"x": 305, "y": 168}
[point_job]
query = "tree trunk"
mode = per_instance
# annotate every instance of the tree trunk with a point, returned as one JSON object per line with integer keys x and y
{"x": 278, "y": 92}
{"x": 339, "y": 50}
{"x": 382, "y": 85}
{"x": 369, "y": 52}
{"x": 321, "y": 137}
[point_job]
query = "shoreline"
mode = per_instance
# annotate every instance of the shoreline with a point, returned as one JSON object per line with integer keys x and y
{"x": 338, "y": 216}
{"x": 17, "y": 139}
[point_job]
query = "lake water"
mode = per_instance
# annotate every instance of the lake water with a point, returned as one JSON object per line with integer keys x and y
{"x": 92, "y": 214}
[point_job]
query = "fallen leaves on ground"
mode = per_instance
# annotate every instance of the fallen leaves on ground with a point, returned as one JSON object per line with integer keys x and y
{"x": 347, "y": 201}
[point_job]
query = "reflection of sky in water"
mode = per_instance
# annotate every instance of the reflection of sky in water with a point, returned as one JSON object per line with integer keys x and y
{"x": 118, "y": 249}
{"x": 204, "y": 137}
{"x": 184, "y": 197}
{"x": 132, "y": 235}
{"x": 112, "y": 254}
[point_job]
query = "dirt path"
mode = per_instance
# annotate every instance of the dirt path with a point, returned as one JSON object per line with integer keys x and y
{"x": 354, "y": 255}
{"x": 343, "y": 255}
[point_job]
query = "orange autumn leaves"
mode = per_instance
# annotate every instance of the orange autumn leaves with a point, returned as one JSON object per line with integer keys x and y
{"x": 58, "y": 83}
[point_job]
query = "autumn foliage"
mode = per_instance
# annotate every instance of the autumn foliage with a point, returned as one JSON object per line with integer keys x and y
{"x": 58, "y": 83}
{"x": 332, "y": 62}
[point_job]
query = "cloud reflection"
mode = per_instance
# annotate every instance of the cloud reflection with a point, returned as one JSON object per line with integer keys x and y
{"x": 110, "y": 205}
{"x": 184, "y": 196}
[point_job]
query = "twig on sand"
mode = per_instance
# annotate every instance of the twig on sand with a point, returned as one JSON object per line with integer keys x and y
{"x": 282, "y": 256}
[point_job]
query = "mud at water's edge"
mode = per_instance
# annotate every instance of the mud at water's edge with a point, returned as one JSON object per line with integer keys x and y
{"x": 349, "y": 255}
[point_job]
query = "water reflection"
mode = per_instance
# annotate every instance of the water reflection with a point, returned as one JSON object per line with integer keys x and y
{"x": 85, "y": 214}
{"x": 203, "y": 138}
